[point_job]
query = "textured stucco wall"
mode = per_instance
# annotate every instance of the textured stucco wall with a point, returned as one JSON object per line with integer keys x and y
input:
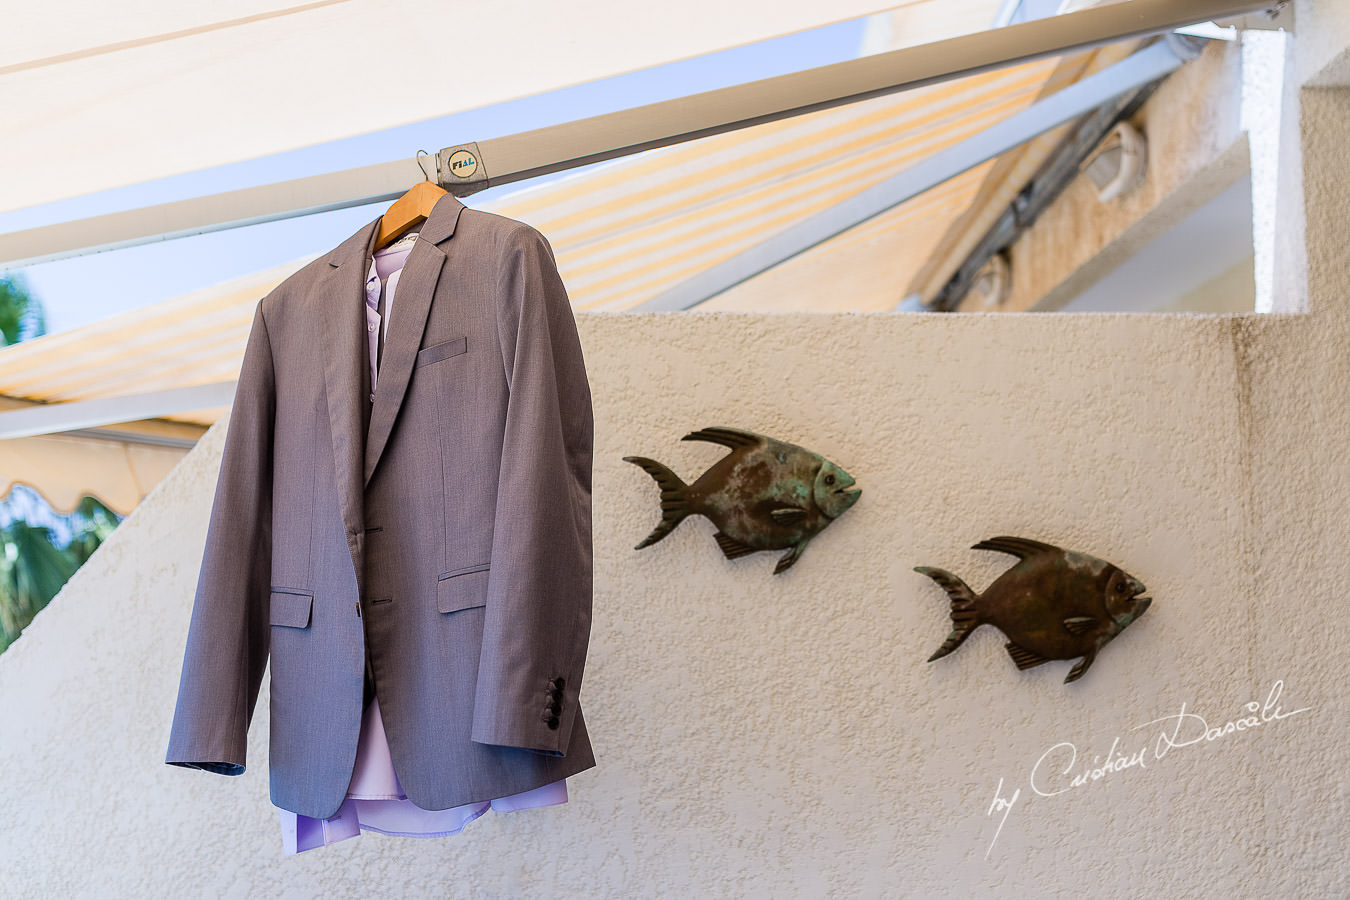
{"x": 764, "y": 736}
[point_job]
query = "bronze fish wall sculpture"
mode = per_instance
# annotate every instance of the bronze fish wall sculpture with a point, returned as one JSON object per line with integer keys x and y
{"x": 765, "y": 494}
{"x": 1053, "y": 604}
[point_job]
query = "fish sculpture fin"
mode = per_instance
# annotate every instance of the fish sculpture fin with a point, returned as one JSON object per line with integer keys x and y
{"x": 1082, "y": 666}
{"x": 787, "y": 559}
{"x": 732, "y": 548}
{"x": 1016, "y": 546}
{"x": 674, "y": 503}
{"x": 1023, "y": 657}
{"x": 1080, "y": 624}
{"x": 727, "y": 437}
{"x": 965, "y": 618}
{"x": 788, "y": 515}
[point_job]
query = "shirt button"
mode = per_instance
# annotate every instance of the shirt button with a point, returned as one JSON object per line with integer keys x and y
{"x": 372, "y": 398}
{"x": 370, "y": 327}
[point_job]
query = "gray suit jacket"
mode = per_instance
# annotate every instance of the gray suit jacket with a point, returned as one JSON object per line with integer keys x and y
{"x": 446, "y": 524}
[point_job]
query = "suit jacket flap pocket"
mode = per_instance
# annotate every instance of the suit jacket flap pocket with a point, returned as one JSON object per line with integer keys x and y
{"x": 440, "y": 351}
{"x": 462, "y": 588}
{"x": 291, "y": 608}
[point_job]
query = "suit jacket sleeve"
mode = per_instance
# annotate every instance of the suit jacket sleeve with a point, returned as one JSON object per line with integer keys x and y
{"x": 228, "y": 636}
{"x": 538, "y": 616}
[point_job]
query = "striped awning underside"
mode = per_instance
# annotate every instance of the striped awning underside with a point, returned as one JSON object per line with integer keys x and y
{"x": 626, "y": 230}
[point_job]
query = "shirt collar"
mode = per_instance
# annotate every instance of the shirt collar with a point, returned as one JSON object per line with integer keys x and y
{"x": 373, "y": 282}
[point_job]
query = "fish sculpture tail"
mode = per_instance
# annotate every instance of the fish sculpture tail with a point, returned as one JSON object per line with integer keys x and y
{"x": 674, "y": 503}
{"x": 964, "y": 615}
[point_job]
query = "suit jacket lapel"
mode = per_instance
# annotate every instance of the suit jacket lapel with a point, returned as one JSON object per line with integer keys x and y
{"x": 407, "y": 322}
{"x": 340, "y": 295}
{"x": 358, "y": 438}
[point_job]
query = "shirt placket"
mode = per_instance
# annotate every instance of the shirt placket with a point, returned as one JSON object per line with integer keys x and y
{"x": 372, "y": 323}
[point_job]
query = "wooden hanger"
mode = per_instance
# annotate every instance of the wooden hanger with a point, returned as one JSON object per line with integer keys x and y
{"x": 408, "y": 210}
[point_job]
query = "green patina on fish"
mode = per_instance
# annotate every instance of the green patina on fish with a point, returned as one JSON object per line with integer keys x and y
{"x": 1054, "y": 604}
{"x": 765, "y": 494}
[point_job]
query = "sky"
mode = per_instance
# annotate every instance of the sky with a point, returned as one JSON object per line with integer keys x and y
{"x": 84, "y": 289}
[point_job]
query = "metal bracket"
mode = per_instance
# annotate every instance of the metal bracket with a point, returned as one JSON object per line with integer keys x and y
{"x": 1280, "y": 17}
{"x": 460, "y": 170}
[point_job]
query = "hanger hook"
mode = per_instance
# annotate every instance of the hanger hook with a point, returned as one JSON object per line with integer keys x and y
{"x": 426, "y": 175}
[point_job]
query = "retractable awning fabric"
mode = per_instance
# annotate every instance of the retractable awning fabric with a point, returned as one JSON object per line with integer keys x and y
{"x": 623, "y": 231}
{"x": 65, "y": 467}
{"x": 194, "y": 339}
{"x": 123, "y": 93}
{"x": 627, "y": 231}
{"x": 192, "y": 75}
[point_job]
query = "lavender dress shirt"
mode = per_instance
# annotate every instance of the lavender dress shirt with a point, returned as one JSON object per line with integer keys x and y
{"x": 375, "y": 800}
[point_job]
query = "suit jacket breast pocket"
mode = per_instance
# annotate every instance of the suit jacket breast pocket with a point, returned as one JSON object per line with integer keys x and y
{"x": 290, "y": 607}
{"x": 462, "y": 588}
{"x": 443, "y": 350}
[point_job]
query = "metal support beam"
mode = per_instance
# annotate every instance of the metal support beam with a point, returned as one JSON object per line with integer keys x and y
{"x": 1141, "y": 68}
{"x": 135, "y": 437}
{"x": 465, "y": 168}
{"x": 213, "y": 212}
{"x": 54, "y": 417}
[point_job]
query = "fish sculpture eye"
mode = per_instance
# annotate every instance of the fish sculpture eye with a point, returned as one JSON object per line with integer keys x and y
{"x": 829, "y": 479}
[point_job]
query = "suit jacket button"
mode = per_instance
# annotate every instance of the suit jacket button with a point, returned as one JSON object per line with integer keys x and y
{"x": 558, "y": 683}
{"x": 554, "y": 708}
{"x": 552, "y": 722}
